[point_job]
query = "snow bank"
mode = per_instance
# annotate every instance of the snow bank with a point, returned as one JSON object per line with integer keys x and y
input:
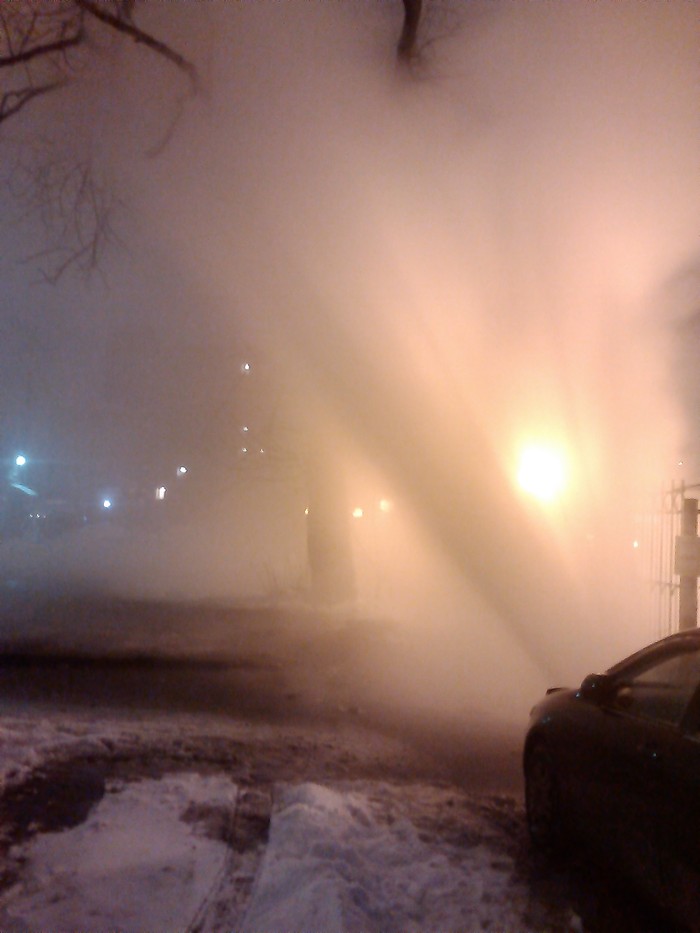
{"x": 337, "y": 863}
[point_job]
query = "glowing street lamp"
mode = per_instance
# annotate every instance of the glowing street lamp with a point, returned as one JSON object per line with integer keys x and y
{"x": 20, "y": 460}
{"x": 542, "y": 472}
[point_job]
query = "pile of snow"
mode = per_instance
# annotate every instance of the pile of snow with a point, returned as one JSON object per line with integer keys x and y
{"x": 337, "y": 862}
{"x": 338, "y": 859}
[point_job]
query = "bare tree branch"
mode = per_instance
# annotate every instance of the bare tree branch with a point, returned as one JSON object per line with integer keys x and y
{"x": 75, "y": 207}
{"x": 138, "y": 35}
{"x": 36, "y": 33}
{"x": 37, "y": 43}
{"x": 158, "y": 147}
{"x": 60, "y": 45}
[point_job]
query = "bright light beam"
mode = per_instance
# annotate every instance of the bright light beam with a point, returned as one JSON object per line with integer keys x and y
{"x": 542, "y": 472}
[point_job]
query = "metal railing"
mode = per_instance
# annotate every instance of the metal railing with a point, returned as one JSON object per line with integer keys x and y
{"x": 657, "y": 533}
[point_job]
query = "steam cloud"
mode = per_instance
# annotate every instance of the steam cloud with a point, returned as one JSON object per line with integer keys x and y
{"x": 429, "y": 271}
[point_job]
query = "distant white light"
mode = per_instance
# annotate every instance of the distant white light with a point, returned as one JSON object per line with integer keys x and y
{"x": 635, "y": 544}
{"x": 181, "y": 470}
{"x": 20, "y": 460}
{"x": 262, "y": 450}
{"x": 244, "y": 450}
{"x": 542, "y": 472}
{"x": 106, "y": 503}
{"x": 160, "y": 493}
{"x": 245, "y": 368}
{"x": 306, "y": 511}
{"x": 245, "y": 429}
{"x": 358, "y": 513}
{"x": 384, "y": 505}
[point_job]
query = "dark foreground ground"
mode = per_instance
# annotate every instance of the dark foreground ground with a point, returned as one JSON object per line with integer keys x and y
{"x": 281, "y": 665}
{"x": 309, "y": 675}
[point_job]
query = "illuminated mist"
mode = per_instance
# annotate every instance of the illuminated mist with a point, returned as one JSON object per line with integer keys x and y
{"x": 431, "y": 273}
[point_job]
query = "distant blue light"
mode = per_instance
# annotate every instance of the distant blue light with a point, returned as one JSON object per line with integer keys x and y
{"x": 106, "y": 503}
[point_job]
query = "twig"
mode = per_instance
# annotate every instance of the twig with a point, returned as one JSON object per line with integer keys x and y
{"x": 138, "y": 35}
{"x": 59, "y": 45}
{"x": 23, "y": 97}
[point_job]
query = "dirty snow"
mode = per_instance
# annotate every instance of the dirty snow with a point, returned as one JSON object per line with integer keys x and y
{"x": 333, "y": 862}
{"x": 133, "y": 865}
{"x": 161, "y": 853}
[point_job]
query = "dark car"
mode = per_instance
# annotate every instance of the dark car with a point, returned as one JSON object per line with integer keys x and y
{"x": 614, "y": 767}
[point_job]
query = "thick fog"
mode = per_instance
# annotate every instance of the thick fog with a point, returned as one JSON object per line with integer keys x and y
{"x": 397, "y": 278}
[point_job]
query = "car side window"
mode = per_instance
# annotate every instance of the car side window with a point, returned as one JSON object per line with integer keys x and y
{"x": 662, "y": 690}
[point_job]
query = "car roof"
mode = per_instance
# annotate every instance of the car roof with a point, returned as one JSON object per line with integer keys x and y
{"x": 686, "y": 640}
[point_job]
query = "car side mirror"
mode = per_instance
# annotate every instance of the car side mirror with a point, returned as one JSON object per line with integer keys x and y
{"x": 597, "y": 688}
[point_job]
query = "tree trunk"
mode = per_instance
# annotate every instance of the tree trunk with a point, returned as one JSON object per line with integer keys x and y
{"x": 328, "y": 532}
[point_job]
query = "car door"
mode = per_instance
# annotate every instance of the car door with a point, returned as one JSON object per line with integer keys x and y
{"x": 623, "y": 767}
{"x": 651, "y": 753}
{"x": 624, "y": 781}
{"x": 679, "y": 821}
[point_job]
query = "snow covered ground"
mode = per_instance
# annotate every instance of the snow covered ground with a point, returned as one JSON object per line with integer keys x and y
{"x": 200, "y": 824}
{"x": 171, "y": 767}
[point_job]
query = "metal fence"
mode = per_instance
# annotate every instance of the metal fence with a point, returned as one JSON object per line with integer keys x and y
{"x": 656, "y": 538}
